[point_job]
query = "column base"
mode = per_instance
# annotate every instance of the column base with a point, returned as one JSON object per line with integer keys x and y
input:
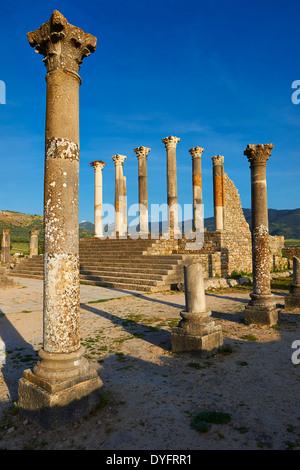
{"x": 261, "y": 309}
{"x": 54, "y": 402}
{"x": 196, "y": 334}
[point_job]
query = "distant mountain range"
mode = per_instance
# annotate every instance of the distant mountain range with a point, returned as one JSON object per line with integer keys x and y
{"x": 284, "y": 222}
{"x": 281, "y": 222}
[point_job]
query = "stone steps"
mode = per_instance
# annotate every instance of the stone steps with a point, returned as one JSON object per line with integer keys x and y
{"x": 118, "y": 264}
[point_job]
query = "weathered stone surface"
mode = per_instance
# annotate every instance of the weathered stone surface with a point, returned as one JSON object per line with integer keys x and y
{"x": 292, "y": 300}
{"x": 262, "y": 307}
{"x": 60, "y": 386}
{"x": 119, "y": 195}
{"x": 196, "y": 332}
{"x": 5, "y": 247}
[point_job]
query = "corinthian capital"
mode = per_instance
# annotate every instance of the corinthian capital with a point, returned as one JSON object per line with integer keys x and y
{"x": 118, "y": 159}
{"x": 170, "y": 142}
{"x": 98, "y": 164}
{"x": 63, "y": 45}
{"x": 141, "y": 151}
{"x": 218, "y": 160}
{"x": 258, "y": 154}
{"x": 196, "y": 152}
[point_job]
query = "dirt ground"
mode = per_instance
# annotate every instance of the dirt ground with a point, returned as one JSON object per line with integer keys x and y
{"x": 151, "y": 395}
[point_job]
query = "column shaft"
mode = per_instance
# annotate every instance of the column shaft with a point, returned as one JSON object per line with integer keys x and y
{"x": 5, "y": 246}
{"x": 142, "y": 153}
{"x": 196, "y": 153}
{"x": 34, "y": 243}
{"x": 219, "y": 194}
{"x": 262, "y": 307}
{"x": 170, "y": 144}
{"x": 98, "y": 167}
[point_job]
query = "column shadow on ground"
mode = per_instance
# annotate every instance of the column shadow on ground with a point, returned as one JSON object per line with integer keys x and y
{"x": 154, "y": 335}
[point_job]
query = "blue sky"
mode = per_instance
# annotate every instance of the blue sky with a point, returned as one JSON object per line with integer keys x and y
{"x": 217, "y": 74}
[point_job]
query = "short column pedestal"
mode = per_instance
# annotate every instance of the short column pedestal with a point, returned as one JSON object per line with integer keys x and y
{"x": 292, "y": 300}
{"x": 196, "y": 332}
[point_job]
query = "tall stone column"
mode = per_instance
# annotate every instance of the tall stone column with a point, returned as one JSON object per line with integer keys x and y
{"x": 292, "y": 300}
{"x": 98, "y": 166}
{"x": 34, "y": 243}
{"x": 5, "y": 246}
{"x": 262, "y": 306}
{"x": 119, "y": 219}
{"x": 62, "y": 386}
{"x": 170, "y": 144}
{"x": 196, "y": 332}
{"x": 142, "y": 154}
{"x": 196, "y": 153}
{"x": 219, "y": 191}
{"x": 124, "y": 205}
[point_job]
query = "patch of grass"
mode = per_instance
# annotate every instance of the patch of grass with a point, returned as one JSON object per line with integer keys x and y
{"x": 225, "y": 350}
{"x": 100, "y": 301}
{"x": 249, "y": 337}
{"x": 202, "y": 421}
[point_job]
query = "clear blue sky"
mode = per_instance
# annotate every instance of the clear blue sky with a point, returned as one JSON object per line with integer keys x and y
{"x": 217, "y": 74}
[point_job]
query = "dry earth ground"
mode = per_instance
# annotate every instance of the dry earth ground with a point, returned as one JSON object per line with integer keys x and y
{"x": 151, "y": 395}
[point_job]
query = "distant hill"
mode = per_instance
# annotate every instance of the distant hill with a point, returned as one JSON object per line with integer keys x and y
{"x": 284, "y": 222}
{"x": 281, "y": 222}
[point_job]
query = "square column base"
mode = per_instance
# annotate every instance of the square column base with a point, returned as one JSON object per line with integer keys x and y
{"x": 263, "y": 315}
{"x": 203, "y": 345}
{"x": 55, "y": 405}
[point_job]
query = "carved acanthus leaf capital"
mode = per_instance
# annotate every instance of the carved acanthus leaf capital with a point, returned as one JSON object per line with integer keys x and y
{"x": 170, "y": 142}
{"x": 63, "y": 45}
{"x": 118, "y": 159}
{"x": 218, "y": 160}
{"x": 258, "y": 154}
{"x": 98, "y": 164}
{"x": 141, "y": 151}
{"x": 196, "y": 152}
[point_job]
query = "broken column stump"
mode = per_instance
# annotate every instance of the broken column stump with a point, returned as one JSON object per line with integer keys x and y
{"x": 292, "y": 300}
{"x": 196, "y": 332}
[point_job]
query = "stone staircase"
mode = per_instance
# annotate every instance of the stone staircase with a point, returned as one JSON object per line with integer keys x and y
{"x": 129, "y": 264}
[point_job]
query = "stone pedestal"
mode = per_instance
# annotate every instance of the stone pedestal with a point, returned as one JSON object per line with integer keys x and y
{"x": 119, "y": 195}
{"x": 292, "y": 300}
{"x": 219, "y": 192}
{"x": 173, "y": 228}
{"x": 34, "y": 243}
{"x": 142, "y": 153}
{"x": 63, "y": 386}
{"x": 196, "y": 332}
{"x": 5, "y": 246}
{"x": 98, "y": 166}
{"x": 262, "y": 306}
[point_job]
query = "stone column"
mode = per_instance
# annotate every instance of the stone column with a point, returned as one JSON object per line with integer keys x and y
{"x": 119, "y": 223}
{"x": 142, "y": 153}
{"x": 219, "y": 191}
{"x": 63, "y": 386}
{"x": 196, "y": 332}
{"x": 34, "y": 243}
{"x": 170, "y": 144}
{"x": 124, "y": 205}
{"x": 5, "y": 246}
{"x": 292, "y": 300}
{"x": 196, "y": 153}
{"x": 98, "y": 167}
{"x": 262, "y": 307}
